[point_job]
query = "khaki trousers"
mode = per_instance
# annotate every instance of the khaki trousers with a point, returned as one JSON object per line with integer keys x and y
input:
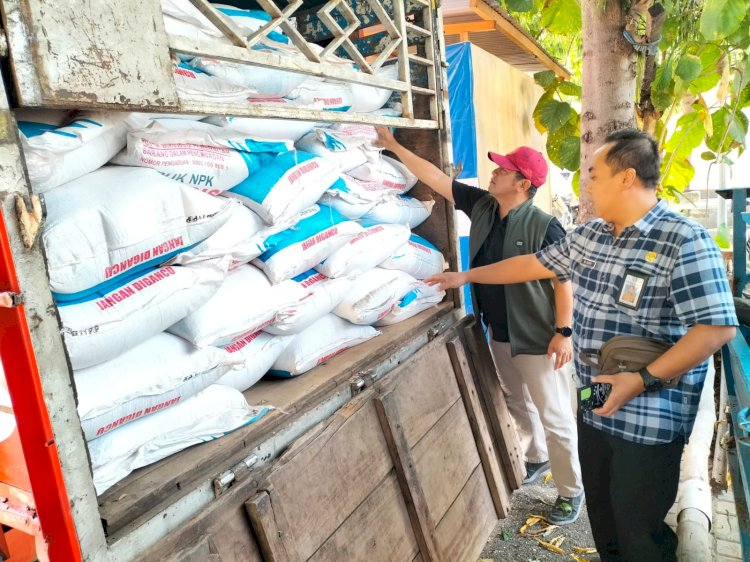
{"x": 539, "y": 400}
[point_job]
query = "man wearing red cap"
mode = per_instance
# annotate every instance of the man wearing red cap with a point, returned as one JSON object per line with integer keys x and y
{"x": 529, "y": 322}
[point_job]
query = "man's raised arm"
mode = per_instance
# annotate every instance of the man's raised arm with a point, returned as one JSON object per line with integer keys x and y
{"x": 426, "y": 171}
{"x": 518, "y": 269}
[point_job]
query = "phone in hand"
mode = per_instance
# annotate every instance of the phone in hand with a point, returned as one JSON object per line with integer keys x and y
{"x": 593, "y": 396}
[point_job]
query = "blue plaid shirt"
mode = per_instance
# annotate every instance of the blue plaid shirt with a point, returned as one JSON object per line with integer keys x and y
{"x": 683, "y": 283}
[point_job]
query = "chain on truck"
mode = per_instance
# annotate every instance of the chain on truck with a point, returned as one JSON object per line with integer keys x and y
{"x": 395, "y": 449}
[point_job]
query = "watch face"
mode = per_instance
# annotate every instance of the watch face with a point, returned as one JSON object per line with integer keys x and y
{"x": 566, "y": 331}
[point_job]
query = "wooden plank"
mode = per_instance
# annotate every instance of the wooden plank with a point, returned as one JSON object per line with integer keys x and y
{"x": 424, "y": 388}
{"x": 444, "y": 459}
{"x": 133, "y": 500}
{"x": 467, "y": 525}
{"x": 268, "y": 531}
{"x": 495, "y": 409}
{"x": 316, "y": 488}
{"x": 466, "y": 27}
{"x": 419, "y": 514}
{"x": 504, "y": 24}
{"x": 223, "y": 529}
{"x": 379, "y": 529}
{"x": 496, "y": 480}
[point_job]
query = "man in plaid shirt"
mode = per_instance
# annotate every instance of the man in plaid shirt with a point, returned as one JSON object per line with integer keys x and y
{"x": 641, "y": 270}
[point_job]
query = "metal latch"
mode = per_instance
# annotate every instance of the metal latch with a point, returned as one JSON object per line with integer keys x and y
{"x": 357, "y": 385}
{"x": 226, "y": 478}
{"x": 10, "y": 300}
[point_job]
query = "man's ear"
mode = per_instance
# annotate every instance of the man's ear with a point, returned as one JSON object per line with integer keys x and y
{"x": 628, "y": 177}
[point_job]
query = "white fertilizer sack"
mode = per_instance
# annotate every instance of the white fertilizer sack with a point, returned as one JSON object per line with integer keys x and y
{"x": 243, "y": 305}
{"x": 354, "y": 198}
{"x": 289, "y": 184}
{"x": 367, "y": 99}
{"x": 195, "y": 85}
{"x": 403, "y": 209}
{"x": 326, "y": 338}
{"x": 349, "y": 151}
{"x": 119, "y": 220}
{"x": 60, "y": 154}
{"x": 257, "y": 352}
{"x": 240, "y": 239}
{"x": 374, "y": 295}
{"x": 366, "y": 250}
{"x": 316, "y": 94}
{"x": 386, "y": 172}
{"x": 315, "y": 237}
{"x": 112, "y": 323}
{"x": 273, "y": 129}
{"x": 209, "y": 415}
{"x": 158, "y": 373}
{"x": 415, "y": 301}
{"x": 311, "y": 295}
{"x": 417, "y": 257}
{"x": 197, "y": 154}
{"x": 264, "y": 82}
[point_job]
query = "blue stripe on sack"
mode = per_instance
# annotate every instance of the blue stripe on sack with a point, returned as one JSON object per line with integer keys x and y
{"x": 409, "y": 298}
{"x": 419, "y": 240}
{"x": 259, "y": 185}
{"x": 306, "y": 275}
{"x": 339, "y": 185}
{"x": 280, "y": 374}
{"x": 108, "y": 286}
{"x": 64, "y": 134}
{"x": 79, "y": 123}
{"x": 324, "y": 219}
{"x": 34, "y": 129}
{"x": 126, "y": 280}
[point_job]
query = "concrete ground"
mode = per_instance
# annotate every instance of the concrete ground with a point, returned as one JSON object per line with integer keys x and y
{"x": 506, "y": 544}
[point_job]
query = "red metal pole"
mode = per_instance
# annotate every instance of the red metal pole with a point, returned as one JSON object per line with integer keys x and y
{"x": 32, "y": 418}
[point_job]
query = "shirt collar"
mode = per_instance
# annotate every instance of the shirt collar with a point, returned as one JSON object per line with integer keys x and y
{"x": 647, "y": 221}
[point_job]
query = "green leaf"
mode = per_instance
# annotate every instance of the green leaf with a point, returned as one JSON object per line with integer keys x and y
{"x": 507, "y": 535}
{"x": 688, "y": 135}
{"x": 721, "y": 18}
{"x": 689, "y": 68}
{"x": 561, "y": 149}
{"x": 662, "y": 99}
{"x": 575, "y": 183}
{"x": 554, "y": 114}
{"x": 569, "y": 89}
{"x": 677, "y": 173}
{"x": 732, "y": 129}
{"x": 545, "y": 78}
{"x": 543, "y": 100}
{"x": 708, "y": 155}
{"x": 570, "y": 153}
{"x": 519, "y": 5}
{"x": 562, "y": 17}
{"x": 663, "y": 78}
{"x": 710, "y": 56}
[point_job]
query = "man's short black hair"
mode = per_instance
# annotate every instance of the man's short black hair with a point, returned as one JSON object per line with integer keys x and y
{"x": 631, "y": 148}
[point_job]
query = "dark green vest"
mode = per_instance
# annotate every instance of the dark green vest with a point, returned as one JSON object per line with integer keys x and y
{"x": 531, "y": 306}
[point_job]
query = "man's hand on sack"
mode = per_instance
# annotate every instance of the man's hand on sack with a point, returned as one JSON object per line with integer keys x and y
{"x": 447, "y": 280}
{"x": 625, "y": 387}
{"x": 562, "y": 348}
{"x": 385, "y": 138}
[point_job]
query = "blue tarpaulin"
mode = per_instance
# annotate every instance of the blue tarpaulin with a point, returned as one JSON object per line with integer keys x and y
{"x": 461, "y": 101}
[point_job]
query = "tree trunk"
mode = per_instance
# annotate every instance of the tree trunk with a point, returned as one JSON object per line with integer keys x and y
{"x": 609, "y": 76}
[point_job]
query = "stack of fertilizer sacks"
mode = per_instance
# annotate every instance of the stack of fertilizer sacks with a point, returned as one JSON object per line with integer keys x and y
{"x": 189, "y": 258}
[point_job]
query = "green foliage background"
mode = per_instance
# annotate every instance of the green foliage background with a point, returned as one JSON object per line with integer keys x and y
{"x": 705, "y": 44}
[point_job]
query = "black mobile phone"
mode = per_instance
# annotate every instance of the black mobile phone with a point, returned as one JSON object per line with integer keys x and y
{"x": 593, "y": 396}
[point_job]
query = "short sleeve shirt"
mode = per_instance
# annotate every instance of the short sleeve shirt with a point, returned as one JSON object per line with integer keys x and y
{"x": 491, "y": 298}
{"x": 658, "y": 278}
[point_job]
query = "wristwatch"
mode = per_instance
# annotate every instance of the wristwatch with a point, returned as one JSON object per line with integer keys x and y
{"x": 651, "y": 382}
{"x": 565, "y": 331}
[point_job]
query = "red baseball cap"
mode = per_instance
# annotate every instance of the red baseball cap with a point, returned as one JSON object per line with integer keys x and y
{"x": 528, "y": 162}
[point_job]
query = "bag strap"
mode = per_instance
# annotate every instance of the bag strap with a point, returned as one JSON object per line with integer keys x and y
{"x": 590, "y": 357}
